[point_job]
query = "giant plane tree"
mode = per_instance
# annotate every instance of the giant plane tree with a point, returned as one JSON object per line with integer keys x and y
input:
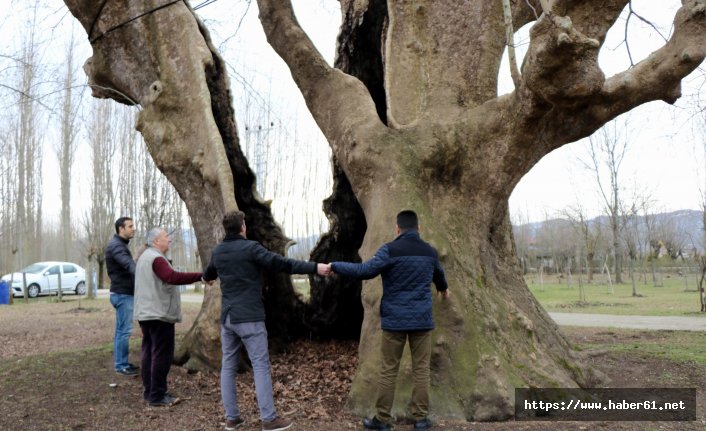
{"x": 411, "y": 112}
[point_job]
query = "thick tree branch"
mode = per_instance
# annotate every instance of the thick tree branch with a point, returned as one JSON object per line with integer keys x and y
{"x": 340, "y": 103}
{"x": 659, "y": 76}
{"x": 591, "y": 19}
{"x": 564, "y": 96}
{"x": 562, "y": 63}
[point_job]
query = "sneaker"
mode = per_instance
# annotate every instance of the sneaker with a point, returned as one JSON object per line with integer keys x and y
{"x": 132, "y": 367}
{"x": 127, "y": 372}
{"x": 232, "y": 424}
{"x": 423, "y": 424}
{"x": 376, "y": 424}
{"x": 276, "y": 424}
{"x": 166, "y": 401}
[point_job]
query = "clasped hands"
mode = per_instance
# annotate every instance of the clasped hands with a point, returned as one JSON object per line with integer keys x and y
{"x": 324, "y": 269}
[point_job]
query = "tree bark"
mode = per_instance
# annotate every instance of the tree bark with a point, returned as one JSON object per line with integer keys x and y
{"x": 156, "y": 54}
{"x": 452, "y": 150}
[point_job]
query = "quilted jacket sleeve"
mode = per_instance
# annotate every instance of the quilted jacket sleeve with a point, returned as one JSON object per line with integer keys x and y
{"x": 439, "y": 277}
{"x": 365, "y": 270}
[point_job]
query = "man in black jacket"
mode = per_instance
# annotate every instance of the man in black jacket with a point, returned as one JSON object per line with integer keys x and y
{"x": 239, "y": 264}
{"x": 121, "y": 270}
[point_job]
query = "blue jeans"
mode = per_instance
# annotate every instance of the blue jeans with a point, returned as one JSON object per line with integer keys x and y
{"x": 123, "y": 305}
{"x": 254, "y": 336}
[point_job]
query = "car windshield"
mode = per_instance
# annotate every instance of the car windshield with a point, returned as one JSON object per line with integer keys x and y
{"x": 35, "y": 268}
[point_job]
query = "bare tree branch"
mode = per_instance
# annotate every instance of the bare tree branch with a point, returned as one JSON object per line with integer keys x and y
{"x": 646, "y": 21}
{"x": 625, "y": 36}
{"x": 318, "y": 81}
{"x": 659, "y": 76}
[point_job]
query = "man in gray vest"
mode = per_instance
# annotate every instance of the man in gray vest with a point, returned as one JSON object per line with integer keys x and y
{"x": 239, "y": 263}
{"x": 157, "y": 309}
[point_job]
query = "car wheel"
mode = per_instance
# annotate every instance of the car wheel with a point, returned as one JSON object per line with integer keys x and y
{"x": 80, "y": 288}
{"x": 33, "y": 290}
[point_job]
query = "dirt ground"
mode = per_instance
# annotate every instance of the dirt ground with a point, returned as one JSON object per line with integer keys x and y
{"x": 56, "y": 374}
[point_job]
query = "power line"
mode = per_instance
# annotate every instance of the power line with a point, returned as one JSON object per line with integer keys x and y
{"x": 204, "y": 4}
{"x": 155, "y": 9}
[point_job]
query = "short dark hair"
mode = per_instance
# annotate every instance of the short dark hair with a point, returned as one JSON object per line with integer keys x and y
{"x": 121, "y": 223}
{"x": 407, "y": 220}
{"x": 233, "y": 221}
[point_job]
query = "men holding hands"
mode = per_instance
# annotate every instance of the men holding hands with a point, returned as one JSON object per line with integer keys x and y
{"x": 408, "y": 266}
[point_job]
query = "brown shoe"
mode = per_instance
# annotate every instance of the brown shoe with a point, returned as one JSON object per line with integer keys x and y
{"x": 232, "y": 424}
{"x": 276, "y": 424}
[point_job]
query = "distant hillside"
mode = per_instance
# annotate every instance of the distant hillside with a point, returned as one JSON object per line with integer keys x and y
{"x": 684, "y": 226}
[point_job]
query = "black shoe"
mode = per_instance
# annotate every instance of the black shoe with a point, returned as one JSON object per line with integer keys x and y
{"x": 132, "y": 367}
{"x": 375, "y": 424}
{"x": 232, "y": 424}
{"x": 146, "y": 397}
{"x": 127, "y": 372}
{"x": 166, "y": 400}
{"x": 423, "y": 424}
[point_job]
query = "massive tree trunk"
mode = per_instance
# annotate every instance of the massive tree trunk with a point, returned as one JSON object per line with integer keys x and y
{"x": 423, "y": 128}
{"x": 158, "y": 55}
{"x": 416, "y": 123}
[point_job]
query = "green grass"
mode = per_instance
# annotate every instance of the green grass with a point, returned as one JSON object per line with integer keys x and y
{"x": 667, "y": 300}
{"x": 301, "y": 287}
{"x": 681, "y": 346}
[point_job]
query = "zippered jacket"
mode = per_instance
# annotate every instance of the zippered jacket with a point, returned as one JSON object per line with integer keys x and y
{"x": 120, "y": 266}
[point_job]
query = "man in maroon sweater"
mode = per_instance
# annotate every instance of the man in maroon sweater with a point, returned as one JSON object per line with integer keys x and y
{"x": 157, "y": 309}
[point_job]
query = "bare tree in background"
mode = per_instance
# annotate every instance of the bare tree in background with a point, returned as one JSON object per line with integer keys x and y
{"x": 632, "y": 236}
{"x": 672, "y": 237}
{"x": 699, "y": 244}
{"x": 607, "y": 148}
{"x": 8, "y": 197}
{"x": 27, "y": 142}
{"x": 144, "y": 192}
{"x": 588, "y": 233}
{"x": 651, "y": 242}
{"x": 66, "y": 147}
{"x": 98, "y": 220}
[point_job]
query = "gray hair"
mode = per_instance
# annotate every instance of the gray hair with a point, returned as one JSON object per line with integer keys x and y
{"x": 152, "y": 235}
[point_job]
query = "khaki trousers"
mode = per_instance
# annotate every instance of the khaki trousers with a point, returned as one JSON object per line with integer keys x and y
{"x": 392, "y": 347}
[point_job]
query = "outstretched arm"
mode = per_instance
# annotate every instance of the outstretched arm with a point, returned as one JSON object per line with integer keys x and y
{"x": 276, "y": 262}
{"x": 365, "y": 270}
{"x": 166, "y": 273}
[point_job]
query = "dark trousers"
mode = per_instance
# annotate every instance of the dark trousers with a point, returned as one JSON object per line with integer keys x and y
{"x": 391, "y": 348}
{"x": 157, "y": 356}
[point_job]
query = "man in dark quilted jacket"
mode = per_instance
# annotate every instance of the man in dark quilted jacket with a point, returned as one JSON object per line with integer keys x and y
{"x": 408, "y": 266}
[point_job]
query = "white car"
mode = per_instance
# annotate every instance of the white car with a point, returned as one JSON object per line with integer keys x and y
{"x": 43, "y": 279}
